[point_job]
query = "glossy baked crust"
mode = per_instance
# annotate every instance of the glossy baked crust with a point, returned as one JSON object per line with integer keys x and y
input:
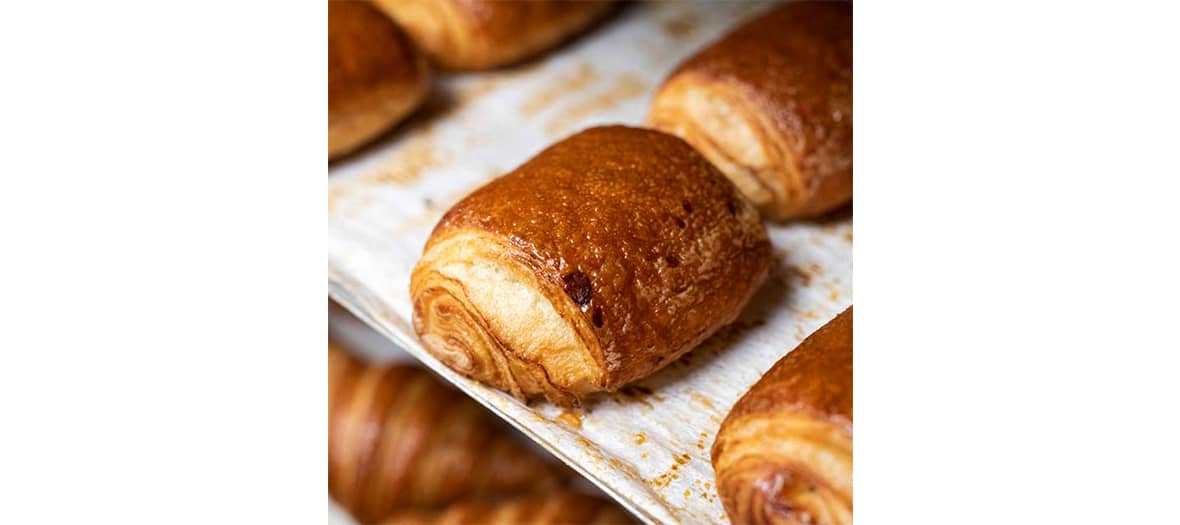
{"x": 398, "y": 438}
{"x": 770, "y": 104}
{"x": 784, "y": 453}
{"x": 564, "y": 508}
{"x": 602, "y": 259}
{"x": 375, "y": 76}
{"x": 484, "y": 34}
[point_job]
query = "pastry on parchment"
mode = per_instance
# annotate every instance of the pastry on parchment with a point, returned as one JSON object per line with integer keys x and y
{"x": 398, "y": 438}
{"x": 484, "y": 34}
{"x": 562, "y": 508}
{"x": 770, "y": 104}
{"x": 784, "y": 452}
{"x": 375, "y": 75}
{"x": 596, "y": 263}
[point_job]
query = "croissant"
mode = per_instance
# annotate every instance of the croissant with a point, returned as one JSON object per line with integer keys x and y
{"x": 567, "y": 508}
{"x": 784, "y": 453}
{"x": 770, "y": 104}
{"x": 375, "y": 76}
{"x": 398, "y": 437}
{"x": 596, "y": 263}
{"x": 484, "y": 34}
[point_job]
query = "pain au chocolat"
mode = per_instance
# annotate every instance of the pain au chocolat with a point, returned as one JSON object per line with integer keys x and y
{"x": 485, "y": 34}
{"x": 564, "y": 508}
{"x": 398, "y": 438}
{"x": 770, "y": 104}
{"x": 375, "y": 76}
{"x": 597, "y": 262}
{"x": 784, "y": 453}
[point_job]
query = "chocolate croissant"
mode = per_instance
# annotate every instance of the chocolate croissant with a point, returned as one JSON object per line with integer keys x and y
{"x": 566, "y": 508}
{"x": 597, "y": 262}
{"x": 784, "y": 453}
{"x": 484, "y": 34}
{"x": 398, "y": 438}
{"x": 375, "y": 76}
{"x": 770, "y": 104}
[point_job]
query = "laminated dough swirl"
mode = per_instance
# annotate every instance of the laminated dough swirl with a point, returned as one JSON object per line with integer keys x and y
{"x": 596, "y": 263}
{"x": 770, "y": 104}
{"x": 784, "y": 453}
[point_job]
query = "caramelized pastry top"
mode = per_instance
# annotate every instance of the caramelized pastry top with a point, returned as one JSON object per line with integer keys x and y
{"x": 798, "y": 59}
{"x": 652, "y": 244}
{"x": 815, "y": 378}
{"x": 484, "y": 34}
{"x": 786, "y": 77}
{"x": 366, "y": 51}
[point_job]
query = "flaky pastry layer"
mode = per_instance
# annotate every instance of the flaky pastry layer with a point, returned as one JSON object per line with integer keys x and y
{"x": 485, "y": 314}
{"x": 785, "y": 469}
{"x": 771, "y": 105}
{"x": 597, "y": 262}
{"x": 720, "y": 121}
{"x": 784, "y": 452}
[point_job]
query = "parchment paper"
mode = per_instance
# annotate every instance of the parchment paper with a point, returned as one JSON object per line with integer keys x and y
{"x": 648, "y": 445}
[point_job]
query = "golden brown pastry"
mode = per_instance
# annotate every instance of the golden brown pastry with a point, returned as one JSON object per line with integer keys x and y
{"x": 597, "y": 262}
{"x": 398, "y": 437}
{"x": 770, "y": 104}
{"x": 784, "y": 453}
{"x": 484, "y": 34}
{"x": 566, "y": 508}
{"x": 375, "y": 76}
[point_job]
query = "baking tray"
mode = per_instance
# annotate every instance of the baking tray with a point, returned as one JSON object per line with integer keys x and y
{"x": 648, "y": 444}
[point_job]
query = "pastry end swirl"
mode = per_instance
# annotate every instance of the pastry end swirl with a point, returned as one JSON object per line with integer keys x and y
{"x": 483, "y": 312}
{"x": 789, "y": 469}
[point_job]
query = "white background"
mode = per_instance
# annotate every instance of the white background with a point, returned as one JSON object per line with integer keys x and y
{"x": 162, "y": 219}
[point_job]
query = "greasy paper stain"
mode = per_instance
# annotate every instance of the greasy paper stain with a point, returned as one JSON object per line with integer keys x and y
{"x": 564, "y": 84}
{"x": 663, "y": 480}
{"x": 626, "y": 87}
{"x": 407, "y": 165}
{"x": 492, "y": 81}
{"x": 682, "y": 26}
{"x": 797, "y": 273}
{"x": 573, "y": 419}
{"x": 702, "y": 400}
{"x": 728, "y": 334}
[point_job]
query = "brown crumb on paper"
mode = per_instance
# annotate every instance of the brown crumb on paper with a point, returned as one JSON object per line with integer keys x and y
{"x": 815, "y": 269}
{"x": 702, "y": 400}
{"x": 572, "y": 419}
{"x": 565, "y": 84}
{"x": 635, "y": 393}
{"x": 408, "y": 163}
{"x": 727, "y": 334}
{"x": 682, "y": 26}
{"x": 628, "y": 86}
{"x": 796, "y": 272}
